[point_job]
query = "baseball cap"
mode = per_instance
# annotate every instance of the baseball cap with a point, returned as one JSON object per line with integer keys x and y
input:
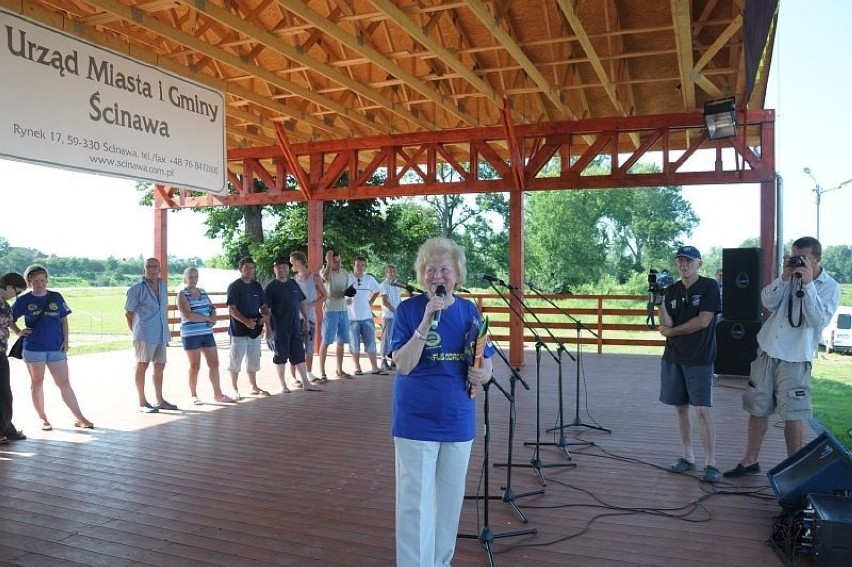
{"x": 690, "y": 252}
{"x": 281, "y": 260}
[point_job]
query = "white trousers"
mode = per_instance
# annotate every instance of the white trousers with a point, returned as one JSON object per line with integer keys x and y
{"x": 430, "y": 482}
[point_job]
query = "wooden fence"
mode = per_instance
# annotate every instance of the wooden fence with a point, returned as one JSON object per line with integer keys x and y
{"x": 604, "y": 319}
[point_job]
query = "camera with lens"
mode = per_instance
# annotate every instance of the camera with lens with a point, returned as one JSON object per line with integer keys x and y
{"x": 796, "y": 262}
{"x": 657, "y": 283}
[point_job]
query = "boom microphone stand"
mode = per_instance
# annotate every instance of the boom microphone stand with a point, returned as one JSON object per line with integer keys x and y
{"x": 486, "y": 537}
{"x": 535, "y": 461}
{"x": 562, "y": 443}
{"x": 577, "y": 422}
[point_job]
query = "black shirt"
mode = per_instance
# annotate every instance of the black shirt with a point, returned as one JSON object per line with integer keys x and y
{"x": 683, "y": 304}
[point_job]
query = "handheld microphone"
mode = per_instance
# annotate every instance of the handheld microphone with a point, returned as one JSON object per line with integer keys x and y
{"x": 441, "y": 292}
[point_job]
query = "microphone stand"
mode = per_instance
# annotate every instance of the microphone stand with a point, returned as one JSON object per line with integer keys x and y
{"x": 577, "y": 422}
{"x": 508, "y": 495}
{"x": 486, "y": 536}
{"x": 535, "y": 461}
{"x": 562, "y": 443}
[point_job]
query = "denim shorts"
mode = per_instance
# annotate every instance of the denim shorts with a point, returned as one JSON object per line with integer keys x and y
{"x": 44, "y": 356}
{"x": 196, "y": 342}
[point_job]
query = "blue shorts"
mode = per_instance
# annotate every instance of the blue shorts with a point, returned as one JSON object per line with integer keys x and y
{"x": 287, "y": 347}
{"x": 682, "y": 384}
{"x": 335, "y": 327}
{"x": 362, "y": 331}
{"x": 44, "y": 356}
{"x": 196, "y": 342}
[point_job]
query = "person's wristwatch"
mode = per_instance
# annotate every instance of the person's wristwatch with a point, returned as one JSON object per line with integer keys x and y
{"x": 419, "y": 335}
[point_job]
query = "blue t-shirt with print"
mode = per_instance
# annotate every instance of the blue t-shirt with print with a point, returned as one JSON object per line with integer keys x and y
{"x": 47, "y": 333}
{"x": 432, "y": 403}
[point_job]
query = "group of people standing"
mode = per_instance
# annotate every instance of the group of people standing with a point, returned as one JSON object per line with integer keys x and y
{"x": 800, "y": 302}
{"x": 283, "y": 313}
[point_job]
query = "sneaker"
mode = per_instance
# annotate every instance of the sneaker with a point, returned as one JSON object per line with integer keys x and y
{"x": 385, "y": 366}
{"x": 711, "y": 474}
{"x": 681, "y": 466}
{"x": 741, "y": 471}
{"x": 148, "y": 408}
{"x": 167, "y": 406}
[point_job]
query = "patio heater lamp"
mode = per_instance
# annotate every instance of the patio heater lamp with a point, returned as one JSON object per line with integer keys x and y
{"x": 720, "y": 118}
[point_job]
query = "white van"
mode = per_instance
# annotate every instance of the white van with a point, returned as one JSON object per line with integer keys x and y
{"x": 838, "y": 335}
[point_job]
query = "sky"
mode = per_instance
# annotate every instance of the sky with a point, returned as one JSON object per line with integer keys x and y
{"x": 77, "y": 214}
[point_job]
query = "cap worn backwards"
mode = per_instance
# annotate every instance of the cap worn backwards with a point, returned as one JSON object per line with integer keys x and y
{"x": 690, "y": 252}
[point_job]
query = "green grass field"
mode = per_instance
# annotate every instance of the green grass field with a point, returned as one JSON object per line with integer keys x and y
{"x": 98, "y": 324}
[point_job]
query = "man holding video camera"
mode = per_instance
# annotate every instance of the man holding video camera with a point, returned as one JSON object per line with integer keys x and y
{"x": 688, "y": 310}
{"x": 802, "y": 301}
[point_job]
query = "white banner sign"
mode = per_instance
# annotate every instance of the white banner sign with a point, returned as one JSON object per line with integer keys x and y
{"x": 69, "y": 103}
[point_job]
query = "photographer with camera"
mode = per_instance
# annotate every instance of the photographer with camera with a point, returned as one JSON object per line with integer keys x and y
{"x": 802, "y": 301}
{"x": 688, "y": 321}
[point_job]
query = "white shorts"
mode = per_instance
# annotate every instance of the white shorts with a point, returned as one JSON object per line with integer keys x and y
{"x": 244, "y": 347}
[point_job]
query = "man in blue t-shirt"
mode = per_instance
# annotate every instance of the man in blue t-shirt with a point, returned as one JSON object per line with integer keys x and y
{"x": 288, "y": 321}
{"x": 247, "y": 307}
{"x": 688, "y": 311}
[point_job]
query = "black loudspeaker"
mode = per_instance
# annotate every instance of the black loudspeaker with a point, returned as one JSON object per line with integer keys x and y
{"x": 736, "y": 346}
{"x": 832, "y": 530}
{"x": 823, "y": 466}
{"x": 741, "y": 283}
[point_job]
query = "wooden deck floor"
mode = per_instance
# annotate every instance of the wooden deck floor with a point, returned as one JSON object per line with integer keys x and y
{"x": 307, "y": 478}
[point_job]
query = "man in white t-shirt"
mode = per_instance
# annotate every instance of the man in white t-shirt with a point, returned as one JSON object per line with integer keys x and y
{"x": 359, "y": 308}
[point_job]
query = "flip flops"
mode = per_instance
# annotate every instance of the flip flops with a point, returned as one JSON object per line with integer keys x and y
{"x": 379, "y": 372}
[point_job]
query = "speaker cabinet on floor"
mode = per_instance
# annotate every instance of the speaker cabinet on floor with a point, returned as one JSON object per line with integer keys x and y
{"x": 736, "y": 346}
{"x": 741, "y": 283}
{"x": 823, "y": 466}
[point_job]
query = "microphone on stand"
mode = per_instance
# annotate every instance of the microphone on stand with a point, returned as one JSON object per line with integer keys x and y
{"x": 441, "y": 292}
{"x": 464, "y": 290}
{"x": 494, "y": 279}
{"x": 406, "y": 287}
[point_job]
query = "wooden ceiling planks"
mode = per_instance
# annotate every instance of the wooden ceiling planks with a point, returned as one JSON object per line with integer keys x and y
{"x": 326, "y": 70}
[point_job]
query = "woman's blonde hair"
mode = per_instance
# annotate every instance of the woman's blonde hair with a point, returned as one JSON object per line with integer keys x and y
{"x": 440, "y": 248}
{"x": 187, "y": 271}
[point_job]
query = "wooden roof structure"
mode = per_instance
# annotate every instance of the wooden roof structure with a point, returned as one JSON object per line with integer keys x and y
{"x": 322, "y": 91}
{"x": 337, "y": 70}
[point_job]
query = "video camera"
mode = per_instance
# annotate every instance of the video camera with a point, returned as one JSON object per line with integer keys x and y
{"x": 657, "y": 282}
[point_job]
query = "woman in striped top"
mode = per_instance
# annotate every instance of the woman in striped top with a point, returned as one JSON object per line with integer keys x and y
{"x": 197, "y": 317}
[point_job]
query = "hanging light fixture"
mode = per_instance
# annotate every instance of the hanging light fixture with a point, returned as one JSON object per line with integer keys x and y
{"x": 720, "y": 118}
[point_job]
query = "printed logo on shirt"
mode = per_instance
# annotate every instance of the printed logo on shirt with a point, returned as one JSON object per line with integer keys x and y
{"x": 433, "y": 339}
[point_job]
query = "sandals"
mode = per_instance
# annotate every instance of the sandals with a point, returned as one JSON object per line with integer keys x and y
{"x": 223, "y": 399}
{"x": 83, "y": 424}
{"x": 46, "y": 426}
{"x": 358, "y": 372}
{"x": 342, "y": 374}
{"x": 379, "y": 372}
{"x": 259, "y": 392}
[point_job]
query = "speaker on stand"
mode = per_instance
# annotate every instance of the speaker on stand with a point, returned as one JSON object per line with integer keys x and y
{"x": 736, "y": 332}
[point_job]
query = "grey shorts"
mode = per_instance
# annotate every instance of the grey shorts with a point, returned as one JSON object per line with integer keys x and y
{"x": 682, "y": 384}
{"x": 150, "y": 352}
{"x": 778, "y": 386}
